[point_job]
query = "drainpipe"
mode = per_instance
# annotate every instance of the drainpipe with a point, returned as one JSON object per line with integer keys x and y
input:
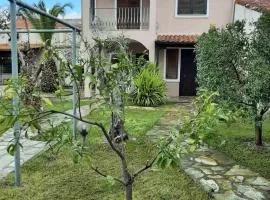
{"x": 233, "y": 13}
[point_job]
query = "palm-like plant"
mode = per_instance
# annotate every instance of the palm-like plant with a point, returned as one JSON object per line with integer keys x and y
{"x": 40, "y": 22}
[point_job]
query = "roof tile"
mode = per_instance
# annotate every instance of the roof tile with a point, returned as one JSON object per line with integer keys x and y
{"x": 181, "y": 39}
{"x": 257, "y": 5}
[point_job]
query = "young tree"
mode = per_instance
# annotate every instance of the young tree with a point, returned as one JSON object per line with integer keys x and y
{"x": 49, "y": 69}
{"x": 236, "y": 65}
{"x": 112, "y": 82}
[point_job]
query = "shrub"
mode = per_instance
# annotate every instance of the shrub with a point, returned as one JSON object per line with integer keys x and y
{"x": 49, "y": 79}
{"x": 149, "y": 88}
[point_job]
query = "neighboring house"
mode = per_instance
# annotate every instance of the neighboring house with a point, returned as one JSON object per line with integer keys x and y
{"x": 5, "y": 51}
{"x": 60, "y": 40}
{"x": 250, "y": 11}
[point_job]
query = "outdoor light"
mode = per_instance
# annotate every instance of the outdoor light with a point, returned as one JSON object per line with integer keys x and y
{"x": 83, "y": 129}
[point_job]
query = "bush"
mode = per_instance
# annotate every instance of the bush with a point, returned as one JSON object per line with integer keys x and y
{"x": 48, "y": 79}
{"x": 150, "y": 88}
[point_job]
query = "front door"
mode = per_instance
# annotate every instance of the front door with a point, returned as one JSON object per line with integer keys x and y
{"x": 188, "y": 73}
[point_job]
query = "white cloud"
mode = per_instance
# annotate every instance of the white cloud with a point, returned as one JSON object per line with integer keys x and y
{"x": 73, "y": 15}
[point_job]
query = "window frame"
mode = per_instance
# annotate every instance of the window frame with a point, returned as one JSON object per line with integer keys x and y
{"x": 178, "y": 80}
{"x": 165, "y": 65}
{"x": 191, "y": 15}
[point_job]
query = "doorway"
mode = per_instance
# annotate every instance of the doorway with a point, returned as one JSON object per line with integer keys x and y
{"x": 188, "y": 73}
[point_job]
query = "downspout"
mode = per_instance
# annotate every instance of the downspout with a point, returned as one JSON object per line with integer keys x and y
{"x": 233, "y": 13}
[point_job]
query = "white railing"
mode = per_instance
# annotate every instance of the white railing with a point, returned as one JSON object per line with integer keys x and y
{"x": 120, "y": 18}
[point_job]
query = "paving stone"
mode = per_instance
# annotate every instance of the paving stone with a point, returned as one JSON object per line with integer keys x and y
{"x": 5, "y": 160}
{"x": 214, "y": 177}
{"x": 230, "y": 195}
{"x": 206, "y": 171}
{"x": 194, "y": 173}
{"x": 250, "y": 192}
{"x": 238, "y": 179}
{"x": 186, "y": 163}
{"x": 206, "y": 160}
{"x": 222, "y": 159}
{"x": 259, "y": 181}
{"x": 209, "y": 185}
{"x": 30, "y": 147}
{"x": 237, "y": 170}
{"x": 224, "y": 184}
{"x": 218, "y": 168}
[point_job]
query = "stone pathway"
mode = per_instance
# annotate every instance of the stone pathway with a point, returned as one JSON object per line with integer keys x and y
{"x": 30, "y": 148}
{"x": 217, "y": 174}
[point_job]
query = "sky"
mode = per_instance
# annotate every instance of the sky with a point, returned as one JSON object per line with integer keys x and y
{"x": 75, "y": 12}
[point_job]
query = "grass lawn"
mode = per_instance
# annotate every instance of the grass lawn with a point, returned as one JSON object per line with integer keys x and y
{"x": 57, "y": 105}
{"x": 61, "y": 179}
{"x": 236, "y": 135}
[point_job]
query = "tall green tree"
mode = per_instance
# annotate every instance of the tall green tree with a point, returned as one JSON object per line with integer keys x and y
{"x": 237, "y": 65}
{"x": 48, "y": 66}
{"x": 41, "y": 22}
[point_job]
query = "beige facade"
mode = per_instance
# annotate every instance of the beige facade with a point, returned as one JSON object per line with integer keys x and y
{"x": 161, "y": 19}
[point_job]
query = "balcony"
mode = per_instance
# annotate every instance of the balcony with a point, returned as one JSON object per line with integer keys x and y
{"x": 121, "y": 18}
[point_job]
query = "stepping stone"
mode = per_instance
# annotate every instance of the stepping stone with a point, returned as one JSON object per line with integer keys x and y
{"x": 222, "y": 159}
{"x": 224, "y": 184}
{"x": 217, "y": 168}
{"x": 238, "y": 179}
{"x": 230, "y": 195}
{"x": 206, "y": 171}
{"x": 237, "y": 170}
{"x": 214, "y": 176}
{"x": 260, "y": 181}
{"x": 209, "y": 185}
{"x": 195, "y": 174}
{"x": 250, "y": 192}
{"x": 206, "y": 160}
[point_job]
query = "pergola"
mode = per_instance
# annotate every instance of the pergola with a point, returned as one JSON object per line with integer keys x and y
{"x": 14, "y": 56}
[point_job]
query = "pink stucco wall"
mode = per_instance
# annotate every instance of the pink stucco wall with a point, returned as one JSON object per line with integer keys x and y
{"x": 220, "y": 13}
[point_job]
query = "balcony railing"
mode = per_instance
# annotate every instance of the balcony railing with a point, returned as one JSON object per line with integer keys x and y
{"x": 120, "y": 18}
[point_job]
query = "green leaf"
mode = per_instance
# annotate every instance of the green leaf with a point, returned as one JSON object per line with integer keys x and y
{"x": 47, "y": 101}
{"x": 11, "y": 149}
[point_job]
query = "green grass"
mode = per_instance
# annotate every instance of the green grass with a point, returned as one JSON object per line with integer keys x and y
{"x": 61, "y": 179}
{"x": 59, "y": 105}
{"x": 63, "y": 105}
{"x": 236, "y": 136}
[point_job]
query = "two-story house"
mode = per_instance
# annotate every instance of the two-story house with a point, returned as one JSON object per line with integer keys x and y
{"x": 166, "y": 29}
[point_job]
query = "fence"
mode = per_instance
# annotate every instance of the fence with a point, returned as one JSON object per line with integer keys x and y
{"x": 120, "y": 18}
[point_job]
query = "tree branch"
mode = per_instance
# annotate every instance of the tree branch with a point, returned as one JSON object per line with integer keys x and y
{"x": 100, "y": 125}
{"x": 104, "y": 175}
{"x": 150, "y": 164}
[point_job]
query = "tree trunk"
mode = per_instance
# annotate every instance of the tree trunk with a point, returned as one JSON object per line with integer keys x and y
{"x": 258, "y": 131}
{"x": 129, "y": 191}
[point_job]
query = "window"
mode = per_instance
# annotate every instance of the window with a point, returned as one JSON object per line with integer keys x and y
{"x": 172, "y": 64}
{"x": 92, "y": 9}
{"x": 192, "y": 7}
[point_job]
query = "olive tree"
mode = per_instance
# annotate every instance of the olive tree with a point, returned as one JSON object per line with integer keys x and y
{"x": 237, "y": 65}
{"x": 112, "y": 80}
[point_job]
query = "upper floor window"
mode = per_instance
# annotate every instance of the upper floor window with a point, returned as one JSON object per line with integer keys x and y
{"x": 92, "y": 9}
{"x": 191, "y": 7}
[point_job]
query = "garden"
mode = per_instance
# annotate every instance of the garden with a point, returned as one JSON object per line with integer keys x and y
{"x": 128, "y": 140}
